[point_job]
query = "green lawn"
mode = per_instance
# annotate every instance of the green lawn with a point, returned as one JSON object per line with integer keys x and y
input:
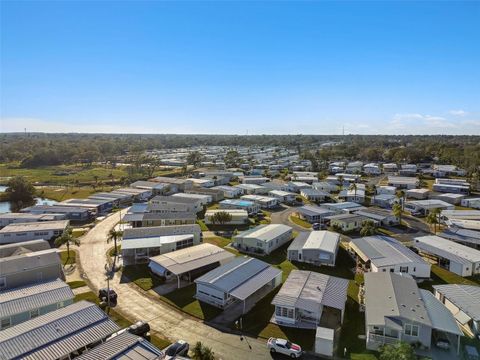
{"x": 111, "y": 252}
{"x": 202, "y": 225}
{"x": 141, "y": 276}
{"x": 221, "y": 242}
{"x": 295, "y": 219}
{"x": 65, "y": 254}
{"x": 63, "y": 193}
{"x": 88, "y": 296}
{"x": 441, "y": 276}
{"x": 76, "y": 284}
{"x": 183, "y": 299}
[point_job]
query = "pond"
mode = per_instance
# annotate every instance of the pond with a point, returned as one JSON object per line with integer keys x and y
{"x": 5, "y": 205}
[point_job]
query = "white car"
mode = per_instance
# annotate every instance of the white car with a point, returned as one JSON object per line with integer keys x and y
{"x": 285, "y": 347}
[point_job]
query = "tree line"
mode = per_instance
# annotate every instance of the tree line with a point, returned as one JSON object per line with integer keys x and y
{"x": 41, "y": 149}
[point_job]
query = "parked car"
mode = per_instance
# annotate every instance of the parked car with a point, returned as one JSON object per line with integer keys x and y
{"x": 441, "y": 341}
{"x": 140, "y": 328}
{"x": 180, "y": 348}
{"x": 104, "y": 294}
{"x": 285, "y": 347}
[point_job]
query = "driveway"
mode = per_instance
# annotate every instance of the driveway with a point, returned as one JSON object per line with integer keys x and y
{"x": 163, "y": 319}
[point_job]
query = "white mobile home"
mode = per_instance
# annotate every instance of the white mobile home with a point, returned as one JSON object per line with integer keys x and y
{"x": 385, "y": 254}
{"x": 249, "y": 206}
{"x": 471, "y": 202}
{"x": 315, "y": 247}
{"x": 459, "y": 259}
{"x": 242, "y": 280}
{"x": 314, "y": 214}
{"x": 305, "y": 296}
{"x": 263, "y": 239}
{"x": 283, "y": 196}
{"x": 19, "y": 232}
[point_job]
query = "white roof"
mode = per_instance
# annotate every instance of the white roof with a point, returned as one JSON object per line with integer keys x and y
{"x": 447, "y": 249}
{"x": 316, "y": 240}
{"x": 141, "y": 243}
{"x": 265, "y": 232}
{"x": 384, "y": 251}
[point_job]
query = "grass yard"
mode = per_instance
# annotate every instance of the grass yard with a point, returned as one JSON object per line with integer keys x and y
{"x": 441, "y": 276}
{"x": 76, "y": 284}
{"x": 202, "y": 225}
{"x": 63, "y": 193}
{"x": 88, "y": 296}
{"x": 183, "y": 299}
{"x": 70, "y": 255}
{"x": 76, "y": 233}
{"x": 141, "y": 276}
{"x": 296, "y": 220}
{"x": 221, "y": 242}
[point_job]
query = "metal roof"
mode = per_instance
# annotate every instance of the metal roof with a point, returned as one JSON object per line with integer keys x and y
{"x": 309, "y": 290}
{"x": 156, "y": 231}
{"x": 391, "y": 295}
{"x": 316, "y": 240}
{"x": 57, "y": 333}
{"x": 374, "y": 213}
{"x": 313, "y": 210}
{"x": 430, "y": 204}
{"x": 35, "y": 296}
{"x": 125, "y": 346}
{"x": 465, "y": 297}
{"x": 384, "y": 251}
{"x": 447, "y": 249}
{"x": 462, "y": 235}
{"x": 35, "y": 226}
{"x": 244, "y": 274}
{"x": 191, "y": 258}
{"x": 149, "y": 242}
{"x": 172, "y": 199}
{"x": 29, "y": 261}
{"x": 441, "y": 318}
{"x": 265, "y": 232}
{"x": 32, "y": 245}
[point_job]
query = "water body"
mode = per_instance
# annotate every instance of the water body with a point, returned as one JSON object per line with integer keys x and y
{"x": 5, "y": 205}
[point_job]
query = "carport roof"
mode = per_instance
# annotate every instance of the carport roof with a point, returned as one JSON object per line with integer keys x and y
{"x": 465, "y": 297}
{"x": 441, "y": 318}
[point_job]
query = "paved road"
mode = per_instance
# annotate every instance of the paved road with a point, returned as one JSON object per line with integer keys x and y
{"x": 282, "y": 217}
{"x": 163, "y": 319}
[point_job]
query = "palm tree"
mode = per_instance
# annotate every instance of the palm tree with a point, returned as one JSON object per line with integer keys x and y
{"x": 374, "y": 191}
{"x": 400, "y": 194}
{"x": 221, "y": 217}
{"x": 114, "y": 235}
{"x": 354, "y": 188}
{"x": 432, "y": 221}
{"x": 368, "y": 228}
{"x": 397, "y": 211}
{"x": 67, "y": 239}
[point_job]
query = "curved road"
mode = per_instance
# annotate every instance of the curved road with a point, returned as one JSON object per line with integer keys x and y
{"x": 282, "y": 217}
{"x": 165, "y": 320}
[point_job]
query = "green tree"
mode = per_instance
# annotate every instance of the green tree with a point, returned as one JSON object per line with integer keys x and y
{"x": 400, "y": 194}
{"x": 67, "y": 239}
{"x": 232, "y": 159}
{"x": 368, "y": 228}
{"x": 353, "y": 187}
{"x": 114, "y": 235}
{"x": 221, "y": 217}
{"x": 194, "y": 158}
{"x": 20, "y": 192}
{"x": 397, "y": 211}
{"x": 202, "y": 352}
{"x": 398, "y": 351}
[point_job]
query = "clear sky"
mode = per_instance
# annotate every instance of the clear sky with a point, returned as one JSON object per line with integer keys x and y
{"x": 237, "y": 67}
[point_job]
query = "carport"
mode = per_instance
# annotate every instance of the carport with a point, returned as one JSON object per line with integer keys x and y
{"x": 441, "y": 318}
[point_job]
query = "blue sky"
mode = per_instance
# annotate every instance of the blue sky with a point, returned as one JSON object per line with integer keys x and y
{"x": 232, "y": 67}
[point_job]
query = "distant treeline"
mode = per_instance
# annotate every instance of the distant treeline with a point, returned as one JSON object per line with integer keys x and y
{"x": 40, "y": 149}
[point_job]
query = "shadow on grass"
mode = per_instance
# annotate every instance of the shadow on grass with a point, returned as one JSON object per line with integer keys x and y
{"x": 141, "y": 276}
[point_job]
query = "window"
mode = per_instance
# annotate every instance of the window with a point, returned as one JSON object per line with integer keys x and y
{"x": 4, "y": 323}
{"x": 404, "y": 269}
{"x": 34, "y": 313}
{"x": 411, "y": 330}
{"x": 384, "y": 270}
{"x": 3, "y": 282}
